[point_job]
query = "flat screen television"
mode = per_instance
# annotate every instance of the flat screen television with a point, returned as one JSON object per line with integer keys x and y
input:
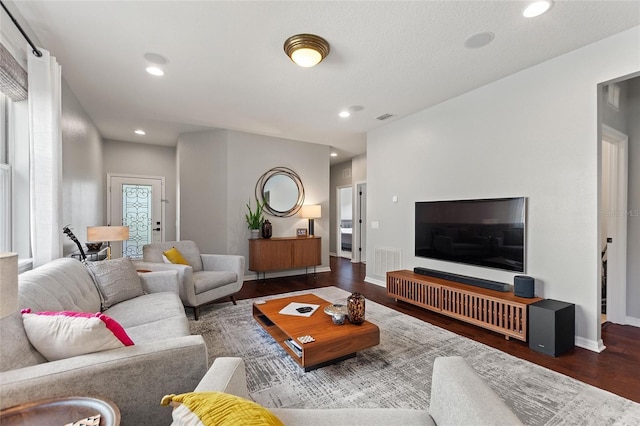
{"x": 488, "y": 232}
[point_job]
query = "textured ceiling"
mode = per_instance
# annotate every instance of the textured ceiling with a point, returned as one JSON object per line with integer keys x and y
{"x": 227, "y": 69}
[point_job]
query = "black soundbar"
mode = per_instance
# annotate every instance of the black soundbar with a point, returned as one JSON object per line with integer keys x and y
{"x": 463, "y": 279}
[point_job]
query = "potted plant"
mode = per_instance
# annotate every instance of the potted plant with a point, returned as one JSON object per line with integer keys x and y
{"x": 255, "y": 219}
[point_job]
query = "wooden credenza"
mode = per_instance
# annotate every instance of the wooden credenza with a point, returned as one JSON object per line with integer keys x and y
{"x": 277, "y": 254}
{"x": 502, "y": 312}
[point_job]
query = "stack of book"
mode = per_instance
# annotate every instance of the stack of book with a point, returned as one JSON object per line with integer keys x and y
{"x": 295, "y": 347}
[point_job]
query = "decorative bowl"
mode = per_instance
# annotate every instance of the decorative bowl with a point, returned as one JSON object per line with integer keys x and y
{"x": 338, "y": 313}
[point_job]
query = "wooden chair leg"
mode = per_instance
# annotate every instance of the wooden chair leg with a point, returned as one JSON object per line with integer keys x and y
{"x": 233, "y": 299}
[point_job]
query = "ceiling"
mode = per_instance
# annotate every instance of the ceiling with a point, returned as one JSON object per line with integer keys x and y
{"x": 226, "y": 67}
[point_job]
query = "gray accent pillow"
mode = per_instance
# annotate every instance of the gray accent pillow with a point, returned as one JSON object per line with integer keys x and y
{"x": 116, "y": 279}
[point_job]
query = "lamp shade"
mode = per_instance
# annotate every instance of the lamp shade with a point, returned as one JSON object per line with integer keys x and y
{"x": 107, "y": 233}
{"x": 311, "y": 211}
{"x": 8, "y": 283}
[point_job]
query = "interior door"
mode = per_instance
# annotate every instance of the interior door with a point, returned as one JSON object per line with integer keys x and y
{"x": 345, "y": 221}
{"x": 136, "y": 202}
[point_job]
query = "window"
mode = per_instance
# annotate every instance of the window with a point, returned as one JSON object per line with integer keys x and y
{"x": 14, "y": 178}
{"x": 5, "y": 178}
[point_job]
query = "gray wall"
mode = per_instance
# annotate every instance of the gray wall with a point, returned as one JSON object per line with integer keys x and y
{"x": 217, "y": 173}
{"x": 202, "y": 177}
{"x": 83, "y": 195}
{"x": 533, "y": 134}
{"x": 633, "y": 199}
{"x": 146, "y": 160}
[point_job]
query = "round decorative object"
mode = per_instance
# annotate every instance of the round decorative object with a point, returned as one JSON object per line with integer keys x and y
{"x": 338, "y": 313}
{"x": 281, "y": 191}
{"x": 355, "y": 308}
{"x": 266, "y": 229}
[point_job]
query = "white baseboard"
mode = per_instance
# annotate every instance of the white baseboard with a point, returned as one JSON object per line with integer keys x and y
{"x": 290, "y": 273}
{"x": 375, "y": 281}
{"x": 592, "y": 345}
{"x": 632, "y": 321}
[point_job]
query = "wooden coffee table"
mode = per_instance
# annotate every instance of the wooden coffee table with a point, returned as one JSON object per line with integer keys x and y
{"x": 332, "y": 343}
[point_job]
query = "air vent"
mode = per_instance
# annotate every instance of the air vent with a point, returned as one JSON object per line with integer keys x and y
{"x": 384, "y": 117}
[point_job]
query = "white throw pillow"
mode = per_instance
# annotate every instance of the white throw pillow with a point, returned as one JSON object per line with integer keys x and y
{"x": 59, "y": 335}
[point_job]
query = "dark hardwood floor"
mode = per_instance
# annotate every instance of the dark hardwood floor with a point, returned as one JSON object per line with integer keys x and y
{"x": 616, "y": 369}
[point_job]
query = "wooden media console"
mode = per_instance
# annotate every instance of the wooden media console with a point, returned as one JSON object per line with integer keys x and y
{"x": 502, "y": 312}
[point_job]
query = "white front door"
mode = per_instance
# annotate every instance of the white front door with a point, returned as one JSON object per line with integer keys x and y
{"x": 136, "y": 202}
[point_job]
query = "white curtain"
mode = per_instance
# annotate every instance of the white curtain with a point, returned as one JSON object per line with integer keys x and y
{"x": 45, "y": 139}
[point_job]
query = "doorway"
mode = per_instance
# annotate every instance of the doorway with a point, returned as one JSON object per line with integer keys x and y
{"x": 345, "y": 221}
{"x": 613, "y": 237}
{"x": 136, "y": 202}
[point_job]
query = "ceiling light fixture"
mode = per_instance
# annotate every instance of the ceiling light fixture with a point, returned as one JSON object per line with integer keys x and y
{"x": 479, "y": 40}
{"x": 140, "y": 132}
{"x": 537, "y": 8}
{"x": 334, "y": 154}
{"x": 344, "y": 114}
{"x": 155, "y": 71}
{"x": 155, "y": 58}
{"x": 306, "y": 50}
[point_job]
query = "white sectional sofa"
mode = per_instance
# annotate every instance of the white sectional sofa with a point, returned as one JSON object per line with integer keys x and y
{"x": 165, "y": 358}
{"x": 459, "y": 397}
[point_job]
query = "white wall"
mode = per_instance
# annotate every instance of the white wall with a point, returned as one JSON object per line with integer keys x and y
{"x": 83, "y": 195}
{"x": 146, "y": 160}
{"x": 533, "y": 134}
{"x": 218, "y": 172}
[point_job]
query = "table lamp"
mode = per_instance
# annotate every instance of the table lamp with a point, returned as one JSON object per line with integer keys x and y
{"x": 311, "y": 212}
{"x": 97, "y": 234}
{"x": 8, "y": 283}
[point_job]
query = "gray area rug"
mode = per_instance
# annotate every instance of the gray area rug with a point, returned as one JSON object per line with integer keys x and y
{"x": 397, "y": 373}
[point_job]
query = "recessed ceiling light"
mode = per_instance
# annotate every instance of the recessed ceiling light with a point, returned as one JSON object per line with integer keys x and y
{"x": 344, "y": 114}
{"x": 140, "y": 132}
{"x": 334, "y": 154}
{"x": 155, "y": 71}
{"x": 479, "y": 40}
{"x": 155, "y": 58}
{"x": 536, "y": 8}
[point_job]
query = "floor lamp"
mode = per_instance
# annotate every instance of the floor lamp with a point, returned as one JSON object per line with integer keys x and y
{"x": 311, "y": 212}
{"x": 107, "y": 234}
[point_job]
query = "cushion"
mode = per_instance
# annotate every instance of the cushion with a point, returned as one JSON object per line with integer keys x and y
{"x": 208, "y": 280}
{"x": 59, "y": 335}
{"x": 175, "y": 256}
{"x": 116, "y": 279}
{"x": 217, "y": 408}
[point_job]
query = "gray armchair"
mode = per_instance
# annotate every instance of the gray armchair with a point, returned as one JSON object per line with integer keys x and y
{"x": 207, "y": 278}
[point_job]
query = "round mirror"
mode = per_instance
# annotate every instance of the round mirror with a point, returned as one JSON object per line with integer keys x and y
{"x": 281, "y": 191}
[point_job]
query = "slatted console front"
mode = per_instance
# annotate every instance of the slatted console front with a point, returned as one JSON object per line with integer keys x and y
{"x": 502, "y": 312}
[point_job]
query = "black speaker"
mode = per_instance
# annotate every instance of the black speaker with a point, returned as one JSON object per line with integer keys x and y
{"x": 552, "y": 326}
{"x": 523, "y": 286}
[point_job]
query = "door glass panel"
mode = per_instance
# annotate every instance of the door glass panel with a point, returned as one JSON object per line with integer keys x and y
{"x": 137, "y": 215}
